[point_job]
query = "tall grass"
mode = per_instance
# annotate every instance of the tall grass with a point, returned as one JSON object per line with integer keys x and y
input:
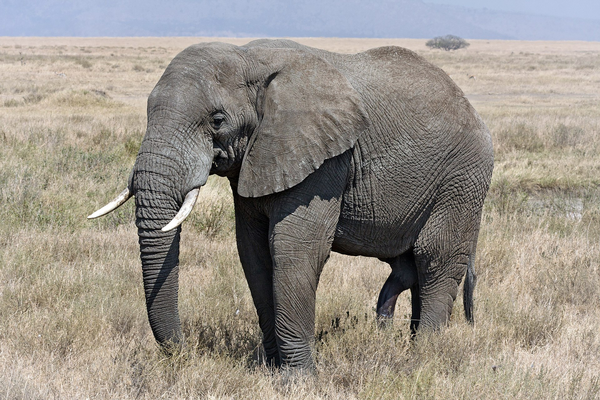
{"x": 72, "y": 115}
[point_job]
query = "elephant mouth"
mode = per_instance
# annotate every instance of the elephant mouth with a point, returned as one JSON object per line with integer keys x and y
{"x": 182, "y": 214}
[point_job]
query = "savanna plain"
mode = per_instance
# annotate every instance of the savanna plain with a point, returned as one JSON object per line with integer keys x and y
{"x": 72, "y": 314}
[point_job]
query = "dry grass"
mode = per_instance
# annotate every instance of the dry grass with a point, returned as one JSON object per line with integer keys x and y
{"x": 71, "y": 298}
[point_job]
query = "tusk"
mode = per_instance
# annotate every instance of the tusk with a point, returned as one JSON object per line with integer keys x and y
{"x": 184, "y": 211}
{"x": 121, "y": 198}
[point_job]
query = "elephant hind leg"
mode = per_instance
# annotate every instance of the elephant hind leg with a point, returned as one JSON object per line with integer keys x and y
{"x": 403, "y": 276}
{"x": 444, "y": 254}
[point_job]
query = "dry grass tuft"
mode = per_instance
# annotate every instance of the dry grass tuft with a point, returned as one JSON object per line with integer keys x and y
{"x": 71, "y": 298}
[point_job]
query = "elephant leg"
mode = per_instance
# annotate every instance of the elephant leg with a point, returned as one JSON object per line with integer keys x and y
{"x": 415, "y": 295}
{"x": 300, "y": 247}
{"x": 443, "y": 251}
{"x": 252, "y": 234}
{"x": 302, "y": 231}
{"x": 402, "y": 277}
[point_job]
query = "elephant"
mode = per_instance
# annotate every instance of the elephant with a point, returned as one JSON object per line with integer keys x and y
{"x": 377, "y": 154}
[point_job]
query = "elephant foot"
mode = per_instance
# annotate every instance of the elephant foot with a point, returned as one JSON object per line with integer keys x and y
{"x": 300, "y": 361}
{"x": 403, "y": 277}
{"x": 172, "y": 348}
{"x": 268, "y": 355}
{"x": 386, "y": 304}
{"x": 293, "y": 377}
{"x": 273, "y": 362}
{"x": 386, "y": 307}
{"x": 385, "y": 311}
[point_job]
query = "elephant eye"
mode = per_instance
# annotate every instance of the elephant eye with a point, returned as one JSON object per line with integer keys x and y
{"x": 217, "y": 121}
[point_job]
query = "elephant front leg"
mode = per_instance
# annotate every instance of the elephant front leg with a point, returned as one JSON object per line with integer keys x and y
{"x": 300, "y": 246}
{"x": 252, "y": 233}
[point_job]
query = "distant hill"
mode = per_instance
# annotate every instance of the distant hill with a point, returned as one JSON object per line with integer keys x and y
{"x": 526, "y": 26}
{"x": 300, "y": 18}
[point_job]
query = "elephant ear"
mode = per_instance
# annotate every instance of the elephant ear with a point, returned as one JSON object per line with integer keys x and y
{"x": 308, "y": 112}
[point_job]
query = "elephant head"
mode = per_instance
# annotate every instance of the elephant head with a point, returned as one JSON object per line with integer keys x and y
{"x": 264, "y": 117}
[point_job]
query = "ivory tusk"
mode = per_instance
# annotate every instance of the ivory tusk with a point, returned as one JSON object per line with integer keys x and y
{"x": 121, "y": 198}
{"x": 184, "y": 211}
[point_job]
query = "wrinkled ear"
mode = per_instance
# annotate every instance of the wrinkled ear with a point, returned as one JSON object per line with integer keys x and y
{"x": 308, "y": 112}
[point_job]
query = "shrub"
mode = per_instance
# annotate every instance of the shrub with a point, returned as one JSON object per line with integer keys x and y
{"x": 83, "y": 62}
{"x": 448, "y": 42}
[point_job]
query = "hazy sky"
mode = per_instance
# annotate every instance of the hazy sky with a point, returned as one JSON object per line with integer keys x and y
{"x": 588, "y": 9}
{"x": 358, "y": 18}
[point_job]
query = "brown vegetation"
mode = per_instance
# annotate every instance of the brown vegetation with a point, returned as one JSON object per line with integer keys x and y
{"x": 72, "y": 115}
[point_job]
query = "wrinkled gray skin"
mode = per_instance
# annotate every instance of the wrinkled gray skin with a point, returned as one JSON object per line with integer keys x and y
{"x": 376, "y": 154}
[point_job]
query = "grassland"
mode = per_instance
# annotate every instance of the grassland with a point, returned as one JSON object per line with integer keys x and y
{"x": 72, "y": 314}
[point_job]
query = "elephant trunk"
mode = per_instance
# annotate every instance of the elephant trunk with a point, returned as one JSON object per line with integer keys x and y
{"x": 159, "y": 252}
{"x": 160, "y": 259}
{"x": 164, "y": 174}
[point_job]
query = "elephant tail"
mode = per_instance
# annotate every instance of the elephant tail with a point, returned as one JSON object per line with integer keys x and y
{"x": 468, "y": 288}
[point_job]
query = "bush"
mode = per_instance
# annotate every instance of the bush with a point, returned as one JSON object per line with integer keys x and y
{"x": 448, "y": 42}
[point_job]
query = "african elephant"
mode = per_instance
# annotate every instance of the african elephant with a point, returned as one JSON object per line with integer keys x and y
{"x": 376, "y": 154}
